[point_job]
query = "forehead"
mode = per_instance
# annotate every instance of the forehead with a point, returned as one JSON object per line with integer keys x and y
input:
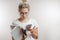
{"x": 24, "y": 9}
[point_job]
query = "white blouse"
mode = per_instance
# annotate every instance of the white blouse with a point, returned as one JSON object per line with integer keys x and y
{"x": 15, "y": 32}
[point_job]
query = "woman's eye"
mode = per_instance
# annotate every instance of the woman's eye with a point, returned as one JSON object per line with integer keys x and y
{"x": 21, "y": 13}
{"x": 25, "y": 12}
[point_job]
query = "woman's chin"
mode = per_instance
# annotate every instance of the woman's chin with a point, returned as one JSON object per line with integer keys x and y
{"x": 24, "y": 17}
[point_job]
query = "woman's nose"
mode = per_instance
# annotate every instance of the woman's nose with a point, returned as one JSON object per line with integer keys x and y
{"x": 23, "y": 14}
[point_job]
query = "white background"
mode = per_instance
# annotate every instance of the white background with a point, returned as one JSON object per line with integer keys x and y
{"x": 46, "y": 12}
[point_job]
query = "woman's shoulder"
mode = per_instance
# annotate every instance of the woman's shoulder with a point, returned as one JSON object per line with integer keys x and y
{"x": 33, "y": 20}
{"x": 15, "y": 21}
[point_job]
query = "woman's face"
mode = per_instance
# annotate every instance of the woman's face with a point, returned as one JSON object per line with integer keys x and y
{"x": 24, "y": 12}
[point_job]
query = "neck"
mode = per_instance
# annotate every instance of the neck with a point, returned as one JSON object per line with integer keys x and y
{"x": 24, "y": 19}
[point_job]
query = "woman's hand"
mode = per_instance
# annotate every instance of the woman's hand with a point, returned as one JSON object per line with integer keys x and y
{"x": 34, "y": 33}
{"x": 12, "y": 38}
{"x": 24, "y": 37}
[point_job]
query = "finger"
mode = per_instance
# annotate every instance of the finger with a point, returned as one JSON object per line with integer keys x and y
{"x": 34, "y": 27}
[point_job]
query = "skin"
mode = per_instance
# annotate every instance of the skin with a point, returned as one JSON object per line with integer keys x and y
{"x": 24, "y": 17}
{"x": 12, "y": 38}
{"x": 34, "y": 32}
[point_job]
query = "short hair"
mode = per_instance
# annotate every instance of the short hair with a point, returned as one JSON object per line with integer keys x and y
{"x": 24, "y": 5}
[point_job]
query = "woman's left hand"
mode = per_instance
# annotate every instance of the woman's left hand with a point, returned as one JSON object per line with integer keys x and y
{"x": 34, "y": 33}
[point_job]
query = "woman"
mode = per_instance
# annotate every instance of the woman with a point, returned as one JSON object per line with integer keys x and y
{"x": 28, "y": 27}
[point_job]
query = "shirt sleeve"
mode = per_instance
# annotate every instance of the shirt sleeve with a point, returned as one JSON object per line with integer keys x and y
{"x": 35, "y": 24}
{"x": 15, "y": 32}
{"x": 13, "y": 26}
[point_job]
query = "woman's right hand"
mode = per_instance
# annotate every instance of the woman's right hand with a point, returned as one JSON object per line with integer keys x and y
{"x": 12, "y": 38}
